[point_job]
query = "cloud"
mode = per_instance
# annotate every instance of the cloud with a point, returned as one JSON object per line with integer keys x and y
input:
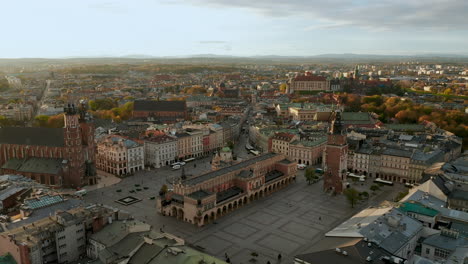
{"x": 380, "y": 15}
{"x": 212, "y": 42}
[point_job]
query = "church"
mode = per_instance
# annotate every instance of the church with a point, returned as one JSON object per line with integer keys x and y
{"x": 58, "y": 157}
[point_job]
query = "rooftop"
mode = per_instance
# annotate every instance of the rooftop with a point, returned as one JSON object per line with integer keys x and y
{"x": 35, "y": 165}
{"x": 225, "y": 170}
{"x": 418, "y": 208}
{"x": 445, "y": 242}
{"x": 36, "y": 136}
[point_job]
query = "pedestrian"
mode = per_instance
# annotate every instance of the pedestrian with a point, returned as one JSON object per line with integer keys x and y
{"x": 320, "y": 218}
{"x": 279, "y": 256}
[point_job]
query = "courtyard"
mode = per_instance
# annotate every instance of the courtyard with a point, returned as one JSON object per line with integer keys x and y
{"x": 288, "y": 222}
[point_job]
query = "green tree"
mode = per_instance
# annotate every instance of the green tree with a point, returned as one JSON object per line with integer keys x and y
{"x": 41, "y": 120}
{"x": 352, "y": 195}
{"x": 283, "y": 87}
{"x": 374, "y": 188}
{"x": 310, "y": 175}
{"x": 163, "y": 190}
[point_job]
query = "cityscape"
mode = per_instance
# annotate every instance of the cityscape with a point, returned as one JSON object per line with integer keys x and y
{"x": 148, "y": 152}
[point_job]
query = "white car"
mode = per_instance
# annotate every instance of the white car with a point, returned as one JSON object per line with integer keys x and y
{"x": 301, "y": 166}
{"x": 176, "y": 167}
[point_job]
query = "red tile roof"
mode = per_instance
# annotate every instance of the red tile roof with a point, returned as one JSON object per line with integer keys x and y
{"x": 309, "y": 78}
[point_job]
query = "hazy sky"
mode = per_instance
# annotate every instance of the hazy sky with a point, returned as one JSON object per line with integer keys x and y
{"x": 62, "y": 28}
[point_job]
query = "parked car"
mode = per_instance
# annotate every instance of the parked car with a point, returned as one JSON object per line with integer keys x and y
{"x": 301, "y": 166}
{"x": 176, "y": 167}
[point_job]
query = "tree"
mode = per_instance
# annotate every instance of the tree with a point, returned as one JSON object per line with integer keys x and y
{"x": 56, "y": 121}
{"x": 310, "y": 175}
{"x": 41, "y": 120}
{"x": 283, "y": 87}
{"x": 163, "y": 190}
{"x": 374, "y": 188}
{"x": 352, "y": 195}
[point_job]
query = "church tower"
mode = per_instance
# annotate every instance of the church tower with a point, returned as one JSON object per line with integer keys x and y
{"x": 73, "y": 145}
{"x": 335, "y": 156}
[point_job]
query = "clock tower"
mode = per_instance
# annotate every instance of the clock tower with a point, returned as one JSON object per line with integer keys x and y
{"x": 335, "y": 156}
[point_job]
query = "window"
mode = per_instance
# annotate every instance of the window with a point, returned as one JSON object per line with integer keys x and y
{"x": 441, "y": 253}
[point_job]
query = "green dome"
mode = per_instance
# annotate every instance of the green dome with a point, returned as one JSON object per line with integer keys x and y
{"x": 226, "y": 149}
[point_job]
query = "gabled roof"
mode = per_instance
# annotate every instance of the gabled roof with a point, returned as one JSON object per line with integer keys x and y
{"x": 35, "y": 136}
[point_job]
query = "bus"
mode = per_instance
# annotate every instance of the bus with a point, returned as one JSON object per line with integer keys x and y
{"x": 378, "y": 180}
{"x": 254, "y": 152}
{"x": 359, "y": 177}
{"x": 81, "y": 193}
{"x": 189, "y": 160}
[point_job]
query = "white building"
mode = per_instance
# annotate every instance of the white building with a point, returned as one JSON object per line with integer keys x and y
{"x": 119, "y": 156}
{"x": 160, "y": 150}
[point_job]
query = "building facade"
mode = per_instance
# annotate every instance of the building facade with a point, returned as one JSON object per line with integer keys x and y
{"x": 203, "y": 199}
{"x": 160, "y": 150}
{"x": 119, "y": 156}
{"x": 309, "y": 82}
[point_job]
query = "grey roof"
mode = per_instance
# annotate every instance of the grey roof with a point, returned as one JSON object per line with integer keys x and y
{"x": 37, "y": 136}
{"x": 445, "y": 242}
{"x": 200, "y": 194}
{"x": 459, "y": 195}
{"x": 145, "y": 253}
{"x": 428, "y": 158}
{"x": 397, "y": 152}
{"x": 392, "y": 231}
{"x": 357, "y": 254}
{"x": 128, "y": 244}
{"x": 46, "y": 212}
{"x": 9, "y": 192}
{"x": 222, "y": 171}
{"x": 35, "y": 165}
{"x": 160, "y": 106}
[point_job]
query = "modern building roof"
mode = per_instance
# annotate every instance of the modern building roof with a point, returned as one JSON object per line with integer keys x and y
{"x": 225, "y": 170}
{"x": 387, "y": 227}
{"x": 159, "y": 106}
{"x": 418, "y": 208}
{"x": 445, "y": 242}
{"x": 356, "y": 253}
{"x": 42, "y": 201}
{"x": 36, "y": 136}
{"x": 47, "y": 211}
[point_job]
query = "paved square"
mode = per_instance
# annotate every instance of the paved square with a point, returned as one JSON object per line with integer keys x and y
{"x": 300, "y": 230}
{"x": 240, "y": 230}
{"x": 279, "y": 244}
{"x": 214, "y": 244}
{"x": 263, "y": 218}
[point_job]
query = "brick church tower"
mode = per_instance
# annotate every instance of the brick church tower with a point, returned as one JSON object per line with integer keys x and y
{"x": 335, "y": 156}
{"x": 79, "y": 142}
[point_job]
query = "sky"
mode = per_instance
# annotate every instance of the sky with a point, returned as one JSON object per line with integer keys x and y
{"x": 85, "y": 28}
